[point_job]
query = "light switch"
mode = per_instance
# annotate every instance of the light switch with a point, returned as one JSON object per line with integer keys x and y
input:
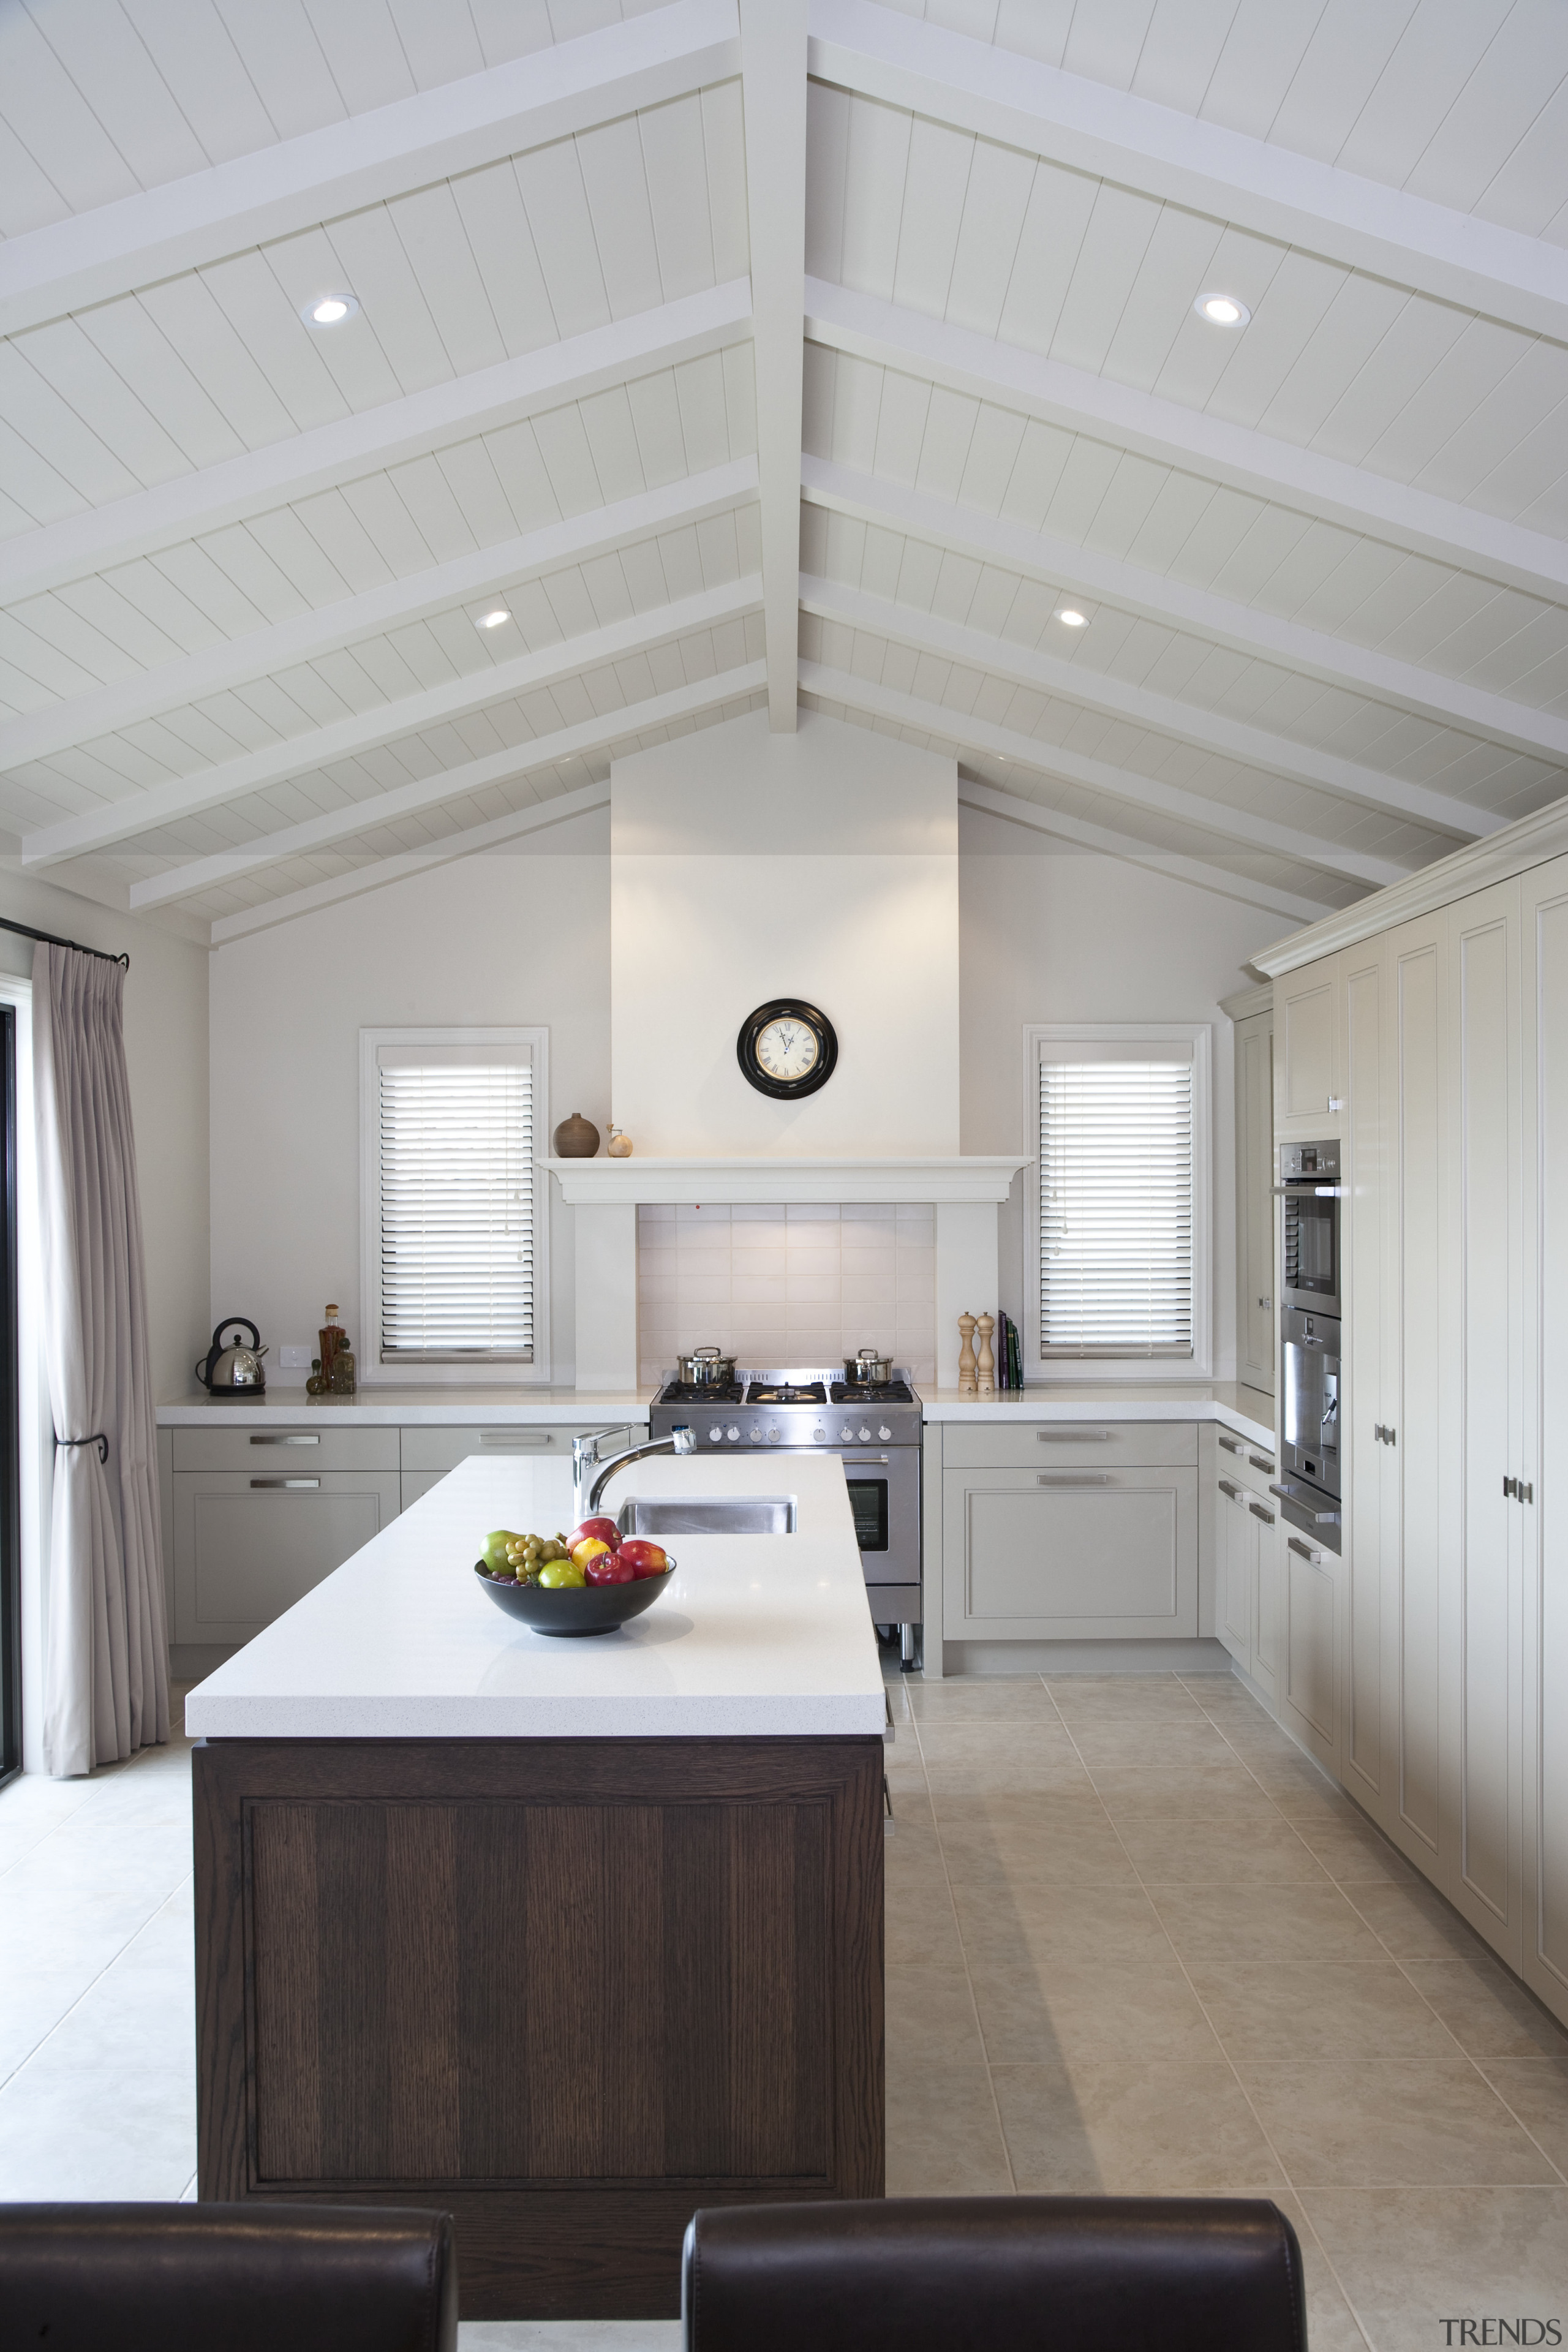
{"x": 295, "y": 1359}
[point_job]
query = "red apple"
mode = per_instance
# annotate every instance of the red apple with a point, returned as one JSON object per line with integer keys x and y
{"x": 646, "y": 1559}
{"x": 606, "y": 1530}
{"x": 609, "y": 1568}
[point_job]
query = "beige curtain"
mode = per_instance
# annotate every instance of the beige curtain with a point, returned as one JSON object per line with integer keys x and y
{"x": 106, "y": 1672}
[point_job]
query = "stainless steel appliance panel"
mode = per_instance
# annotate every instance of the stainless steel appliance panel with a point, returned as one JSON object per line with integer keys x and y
{"x": 1310, "y": 1195}
{"x": 1310, "y": 1365}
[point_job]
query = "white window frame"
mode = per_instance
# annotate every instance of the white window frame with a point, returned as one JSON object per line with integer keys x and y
{"x": 1046, "y": 1041}
{"x": 512, "y": 1374}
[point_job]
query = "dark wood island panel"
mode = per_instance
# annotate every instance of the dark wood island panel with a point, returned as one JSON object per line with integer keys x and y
{"x": 568, "y": 1990}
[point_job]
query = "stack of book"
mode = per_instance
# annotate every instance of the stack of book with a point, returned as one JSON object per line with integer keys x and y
{"x": 1009, "y": 1353}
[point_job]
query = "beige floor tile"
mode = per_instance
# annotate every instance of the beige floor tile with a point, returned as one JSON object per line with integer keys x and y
{"x": 1390, "y": 2123}
{"x": 1066, "y": 2007}
{"x": 1297, "y": 1787}
{"x": 931, "y": 2014}
{"x": 1291, "y": 2009}
{"x": 1056, "y": 1857}
{"x": 982, "y": 1699}
{"x": 1330, "y": 2323}
{"x": 1354, "y": 1854}
{"x": 1410, "y": 2259}
{"x": 1039, "y": 1921}
{"x": 1131, "y": 1698}
{"x": 1184, "y": 1746}
{"x": 1193, "y": 1793}
{"x": 1415, "y": 1923}
{"x": 1489, "y": 2011}
{"x": 1120, "y": 2126}
{"x": 924, "y": 1933}
{"x": 970, "y": 1764}
{"x": 1537, "y": 2091}
{"x": 944, "y": 2136}
{"x": 1209, "y": 1852}
{"x": 1257, "y": 1926}
{"x": 997, "y": 1747}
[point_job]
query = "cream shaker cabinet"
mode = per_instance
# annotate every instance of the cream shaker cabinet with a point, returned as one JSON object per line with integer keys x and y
{"x": 1307, "y": 1085}
{"x": 1250, "y": 1586}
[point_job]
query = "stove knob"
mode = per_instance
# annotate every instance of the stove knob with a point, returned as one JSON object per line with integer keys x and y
{"x": 773, "y": 1437}
{"x": 846, "y": 1434}
{"x": 819, "y": 1437}
{"x": 754, "y": 1435}
{"x": 715, "y": 1435}
{"x": 884, "y": 1435}
{"x": 865, "y": 1434}
{"x": 732, "y": 1433}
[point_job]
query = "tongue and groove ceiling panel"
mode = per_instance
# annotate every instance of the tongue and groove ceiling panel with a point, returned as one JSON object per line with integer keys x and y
{"x": 245, "y": 561}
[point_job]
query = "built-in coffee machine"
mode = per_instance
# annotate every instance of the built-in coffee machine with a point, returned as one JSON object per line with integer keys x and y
{"x": 1311, "y": 1197}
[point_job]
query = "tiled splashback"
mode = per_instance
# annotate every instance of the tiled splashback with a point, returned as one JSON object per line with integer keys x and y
{"x": 782, "y": 1286}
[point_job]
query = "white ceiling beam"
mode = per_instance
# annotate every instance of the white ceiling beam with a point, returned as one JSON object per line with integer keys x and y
{"x": 330, "y": 455}
{"x": 487, "y": 572}
{"x": 1060, "y": 564}
{"x": 1017, "y": 811}
{"x": 1118, "y": 697}
{"x": 981, "y": 737}
{"x": 1235, "y": 825}
{"x": 547, "y": 95}
{"x": 356, "y": 817}
{"x": 1078, "y": 401}
{"x": 376, "y": 876}
{"x": 184, "y": 796}
{"x": 1070, "y": 118}
{"x": 773, "y": 88}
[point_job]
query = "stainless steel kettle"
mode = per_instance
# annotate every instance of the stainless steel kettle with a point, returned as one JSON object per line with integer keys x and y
{"x": 234, "y": 1370}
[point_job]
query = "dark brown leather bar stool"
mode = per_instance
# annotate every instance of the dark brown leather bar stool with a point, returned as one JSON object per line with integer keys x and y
{"x": 235, "y": 2278}
{"x": 994, "y": 2274}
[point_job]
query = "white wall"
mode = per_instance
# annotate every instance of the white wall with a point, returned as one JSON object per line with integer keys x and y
{"x": 518, "y": 934}
{"x": 166, "y": 1060}
{"x": 1049, "y": 933}
{"x": 747, "y": 866}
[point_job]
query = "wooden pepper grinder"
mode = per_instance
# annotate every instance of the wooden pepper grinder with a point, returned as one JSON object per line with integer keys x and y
{"x": 966, "y": 1356}
{"x": 986, "y": 1380}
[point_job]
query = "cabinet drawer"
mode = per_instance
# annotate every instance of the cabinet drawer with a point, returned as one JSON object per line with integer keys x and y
{"x": 442, "y": 1449}
{"x": 1065, "y": 1555}
{"x": 245, "y": 1551}
{"x": 295, "y": 1446}
{"x": 1246, "y": 1464}
{"x": 1087, "y": 1444}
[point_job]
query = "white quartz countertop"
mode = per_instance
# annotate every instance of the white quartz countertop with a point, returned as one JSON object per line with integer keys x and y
{"x": 757, "y": 1635}
{"x": 1249, "y": 1411}
{"x": 410, "y": 1407}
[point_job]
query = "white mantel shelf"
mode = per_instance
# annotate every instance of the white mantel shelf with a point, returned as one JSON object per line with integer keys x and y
{"x": 629, "y": 1183}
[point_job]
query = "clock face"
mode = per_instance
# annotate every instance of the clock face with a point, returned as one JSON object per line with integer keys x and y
{"x": 787, "y": 1048}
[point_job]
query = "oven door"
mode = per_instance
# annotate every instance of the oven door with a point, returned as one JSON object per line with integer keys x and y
{"x": 885, "y": 1499}
{"x": 1309, "y": 1274}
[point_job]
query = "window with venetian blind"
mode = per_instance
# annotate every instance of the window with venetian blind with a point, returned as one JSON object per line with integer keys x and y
{"x": 1121, "y": 1193}
{"x": 453, "y": 1253}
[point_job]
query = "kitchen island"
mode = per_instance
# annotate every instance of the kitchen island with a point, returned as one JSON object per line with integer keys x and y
{"x": 566, "y": 1937}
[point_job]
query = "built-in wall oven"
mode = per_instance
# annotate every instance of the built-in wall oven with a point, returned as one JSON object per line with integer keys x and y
{"x": 1311, "y": 1197}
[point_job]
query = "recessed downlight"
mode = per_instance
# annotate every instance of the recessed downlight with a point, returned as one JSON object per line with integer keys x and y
{"x": 1222, "y": 309}
{"x": 1070, "y": 617}
{"x": 329, "y": 309}
{"x": 492, "y": 619}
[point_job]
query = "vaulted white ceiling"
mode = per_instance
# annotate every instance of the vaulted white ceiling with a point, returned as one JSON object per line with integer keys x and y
{"x": 796, "y": 353}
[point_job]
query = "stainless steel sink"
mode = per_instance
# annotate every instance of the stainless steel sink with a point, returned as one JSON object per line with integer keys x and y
{"x": 706, "y": 1515}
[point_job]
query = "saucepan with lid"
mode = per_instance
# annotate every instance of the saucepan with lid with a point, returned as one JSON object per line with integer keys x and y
{"x": 870, "y": 1369}
{"x": 705, "y": 1368}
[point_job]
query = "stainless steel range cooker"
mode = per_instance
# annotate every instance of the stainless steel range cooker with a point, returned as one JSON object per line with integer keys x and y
{"x": 875, "y": 1430}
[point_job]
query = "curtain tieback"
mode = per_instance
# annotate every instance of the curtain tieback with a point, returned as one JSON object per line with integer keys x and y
{"x": 99, "y": 1440}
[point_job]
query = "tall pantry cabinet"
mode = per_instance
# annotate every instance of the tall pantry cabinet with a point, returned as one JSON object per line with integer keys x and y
{"x": 1450, "y": 1067}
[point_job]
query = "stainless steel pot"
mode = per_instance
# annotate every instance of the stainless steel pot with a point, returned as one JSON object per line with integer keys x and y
{"x": 869, "y": 1368}
{"x": 234, "y": 1370}
{"x": 705, "y": 1368}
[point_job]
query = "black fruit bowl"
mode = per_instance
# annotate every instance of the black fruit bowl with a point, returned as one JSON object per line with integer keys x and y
{"x": 574, "y": 1609}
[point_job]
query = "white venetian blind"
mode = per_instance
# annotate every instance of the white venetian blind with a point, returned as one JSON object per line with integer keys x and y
{"x": 456, "y": 1146}
{"x": 1116, "y": 1203}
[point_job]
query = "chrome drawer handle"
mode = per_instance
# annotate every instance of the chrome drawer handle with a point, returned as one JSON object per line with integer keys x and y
{"x": 314, "y": 1440}
{"x": 1259, "y": 1513}
{"x": 521, "y": 1441}
{"x": 1227, "y": 1488}
{"x": 1306, "y": 1551}
{"x": 286, "y": 1482}
{"x": 1075, "y": 1437}
{"x": 1261, "y": 1462}
{"x": 1233, "y": 1445}
{"x": 1068, "y": 1478}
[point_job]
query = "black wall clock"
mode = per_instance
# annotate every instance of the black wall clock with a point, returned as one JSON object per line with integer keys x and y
{"x": 787, "y": 1048}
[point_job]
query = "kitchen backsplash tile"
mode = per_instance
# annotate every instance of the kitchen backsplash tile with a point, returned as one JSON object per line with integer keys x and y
{"x": 802, "y": 1283}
